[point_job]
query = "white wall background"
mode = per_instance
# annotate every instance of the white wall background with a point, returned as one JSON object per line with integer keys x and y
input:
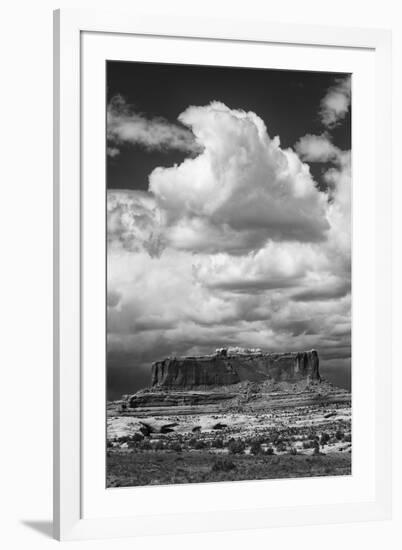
{"x": 26, "y": 272}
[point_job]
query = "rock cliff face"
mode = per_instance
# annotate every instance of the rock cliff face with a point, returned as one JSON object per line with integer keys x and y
{"x": 226, "y": 367}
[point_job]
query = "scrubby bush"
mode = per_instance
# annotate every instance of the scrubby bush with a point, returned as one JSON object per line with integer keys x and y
{"x": 199, "y": 444}
{"x": 175, "y": 446}
{"x": 324, "y": 438}
{"x": 293, "y": 451}
{"x": 269, "y": 451}
{"x": 145, "y": 445}
{"x": 339, "y": 435}
{"x": 236, "y": 446}
{"x": 223, "y": 465}
{"x": 281, "y": 447}
{"x": 217, "y": 443}
{"x": 348, "y": 438}
{"x": 158, "y": 445}
{"x": 255, "y": 448}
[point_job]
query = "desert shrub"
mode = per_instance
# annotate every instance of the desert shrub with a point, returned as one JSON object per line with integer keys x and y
{"x": 199, "y": 444}
{"x": 223, "y": 465}
{"x": 145, "y": 445}
{"x": 307, "y": 445}
{"x": 293, "y": 451}
{"x": 137, "y": 437}
{"x": 192, "y": 442}
{"x": 281, "y": 447}
{"x": 158, "y": 445}
{"x": 269, "y": 451}
{"x": 339, "y": 435}
{"x": 236, "y": 446}
{"x": 218, "y": 443}
{"x": 324, "y": 438}
{"x": 175, "y": 446}
{"x": 255, "y": 448}
{"x": 348, "y": 438}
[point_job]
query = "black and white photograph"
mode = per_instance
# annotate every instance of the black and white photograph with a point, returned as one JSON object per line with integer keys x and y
{"x": 228, "y": 316}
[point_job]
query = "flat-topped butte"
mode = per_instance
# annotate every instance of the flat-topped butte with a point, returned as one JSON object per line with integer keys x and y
{"x": 228, "y": 366}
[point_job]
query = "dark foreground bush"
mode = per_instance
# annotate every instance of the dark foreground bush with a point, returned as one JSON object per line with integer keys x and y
{"x": 236, "y": 446}
{"x": 199, "y": 444}
{"x": 175, "y": 446}
{"x": 339, "y": 435}
{"x": 281, "y": 447}
{"x": 223, "y": 465}
{"x": 324, "y": 438}
{"x": 255, "y": 448}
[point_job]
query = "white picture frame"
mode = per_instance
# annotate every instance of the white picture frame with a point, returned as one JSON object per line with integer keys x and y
{"x": 76, "y": 495}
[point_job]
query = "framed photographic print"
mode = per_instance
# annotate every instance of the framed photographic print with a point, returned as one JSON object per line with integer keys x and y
{"x": 222, "y": 275}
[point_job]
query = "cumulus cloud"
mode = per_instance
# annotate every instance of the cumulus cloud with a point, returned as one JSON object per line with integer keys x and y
{"x": 126, "y": 127}
{"x": 312, "y": 148}
{"x": 276, "y": 265}
{"x": 336, "y": 102}
{"x": 133, "y": 222}
{"x": 242, "y": 190}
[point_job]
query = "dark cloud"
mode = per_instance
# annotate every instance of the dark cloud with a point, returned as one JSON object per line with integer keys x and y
{"x": 113, "y": 298}
{"x": 322, "y": 293}
{"x": 253, "y": 286}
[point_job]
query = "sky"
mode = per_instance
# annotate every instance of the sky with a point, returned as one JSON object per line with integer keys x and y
{"x": 228, "y": 211}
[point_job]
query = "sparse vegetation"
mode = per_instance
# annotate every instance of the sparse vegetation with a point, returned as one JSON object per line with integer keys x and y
{"x": 236, "y": 446}
{"x": 223, "y": 465}
{"x": 339, "y": 435}
{"x": 130, "y": 469}
{"x": 199, "y": 444}
{"x": 255, "y": 448}
{"x": 324, "y": 438}
{"x": 276, "y": 444}
{"x": 175, "y": 446}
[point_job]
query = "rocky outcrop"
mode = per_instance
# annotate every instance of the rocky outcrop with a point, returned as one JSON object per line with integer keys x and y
{"x": 178, "y": 398}
{"x": 227, "y": 367}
